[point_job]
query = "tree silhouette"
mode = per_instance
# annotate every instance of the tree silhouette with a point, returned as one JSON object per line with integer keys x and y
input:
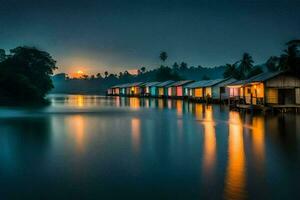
{"x": 143, "y": 69}
{"x": 84, "y": 76}
{"x": 246, "y": 64}
{"x": 231, "y": 71}
{"x": 165, "y": 73}
{"x": 163, "y": 56}
{"x": 273, "y": 63}
{"x": 290, "y": 60}
{"x": 254, "y": 71}
{"x": 25, "y": 75}
{"x": 106, "y": 74}
{"x": 175, "y": 66}
{"x": 183, "y": 66}
{"x": 2, "y": 55}
{"x": 98, "y": 75}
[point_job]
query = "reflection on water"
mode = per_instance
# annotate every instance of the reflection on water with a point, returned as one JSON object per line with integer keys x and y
{"x": 135, "y": 133}
{"x": 134, "y": 103}
{"x": 235, "y": 180}
{"x": 78, "y": 125}
{"x": 258, "y": 136}
{"x": 79, "y": 100}
{"x": 131, "y": 148}
{"x": 199, "y": 111}
{"x": 179, "y": 107}
{"x": 209, "y": 153}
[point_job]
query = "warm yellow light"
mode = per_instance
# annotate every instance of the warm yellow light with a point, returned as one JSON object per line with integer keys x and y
{"x": 79, "y": 72}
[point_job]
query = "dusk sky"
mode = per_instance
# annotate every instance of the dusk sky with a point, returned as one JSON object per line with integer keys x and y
{"x": 112, "y": 35}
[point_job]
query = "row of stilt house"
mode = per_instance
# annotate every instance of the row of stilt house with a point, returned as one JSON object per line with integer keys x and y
{"x": 277, "y": 89}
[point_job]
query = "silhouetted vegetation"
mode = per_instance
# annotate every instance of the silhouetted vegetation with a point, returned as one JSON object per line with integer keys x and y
{"x": 25, "y": 75}
{"x": 166, "y": 73}
{"x": 98, "y": 83}
{"x": 289, "y": 60}
{"x": 163, "y": 56}
{"x": 242, "y": 69}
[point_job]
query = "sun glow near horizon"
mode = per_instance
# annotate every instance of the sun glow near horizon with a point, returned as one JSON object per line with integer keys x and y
{"x": 77, "y": 73}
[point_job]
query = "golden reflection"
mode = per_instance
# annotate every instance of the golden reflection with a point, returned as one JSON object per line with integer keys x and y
{"x": 235, "y": 180}
{"x": 77, "y": 124}
{"x": 179, "y": 107}
{"x": 135, "y": 133}
{"x": 160, "y": 103}
{"x": 79, "y": 100}
{"x": 209, "y": 155}
{"x": 258, "y": 136}
{"x": 199, "y": 111}
{"x": 134, "y": 103}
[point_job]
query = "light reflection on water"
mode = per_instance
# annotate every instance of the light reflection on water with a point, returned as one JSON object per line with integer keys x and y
{"x": 235, "y": 181}
{"x": 135, "y": 133}
{"x": 146, "y": 149}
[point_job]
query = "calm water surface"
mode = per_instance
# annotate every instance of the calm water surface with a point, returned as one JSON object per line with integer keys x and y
{"x": 92, "y": 147}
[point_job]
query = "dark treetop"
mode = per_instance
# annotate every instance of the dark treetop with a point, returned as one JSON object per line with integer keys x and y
{"x": 25, "y": 75}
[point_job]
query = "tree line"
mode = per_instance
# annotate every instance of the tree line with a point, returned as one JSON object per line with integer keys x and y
{"x": 289, "y": 60}
{"x": 241, "y": 69}
{"x": 26, "y": 73}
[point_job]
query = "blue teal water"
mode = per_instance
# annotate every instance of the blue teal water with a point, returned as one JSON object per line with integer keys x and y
{"x": 92, "y": 147}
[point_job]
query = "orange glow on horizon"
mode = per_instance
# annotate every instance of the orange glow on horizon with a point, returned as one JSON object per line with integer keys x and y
{"x": 77, "y": 74}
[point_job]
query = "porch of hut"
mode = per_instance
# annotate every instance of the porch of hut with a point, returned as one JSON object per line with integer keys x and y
{"x": 270, "y": 90}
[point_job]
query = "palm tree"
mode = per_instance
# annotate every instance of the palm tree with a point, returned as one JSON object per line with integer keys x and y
{"x": 163, "y": 56}
{"x": 273, "y": 63}
{"x": 290, "y": 60}
{"x": 98, "y": 75}
{"x": 229, "y": 70}
{"x": 246, "y": 64}
{"x": 293, "y": 42}
{"x": 232, "y": 71}
{"x": 143, "y": 69}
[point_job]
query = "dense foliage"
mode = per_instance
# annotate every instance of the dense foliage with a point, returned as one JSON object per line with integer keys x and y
{"x": 288, "y": 61}
{"x": 25, "y": 75}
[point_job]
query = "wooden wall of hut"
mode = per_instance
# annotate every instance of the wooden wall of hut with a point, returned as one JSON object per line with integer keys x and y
{"x": 272, "y": 96}
{"x": 283, "y": 81}
{"x": 297, "y": 96}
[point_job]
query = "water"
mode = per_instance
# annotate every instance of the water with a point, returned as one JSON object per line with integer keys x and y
{"x": 92, "y": 147}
